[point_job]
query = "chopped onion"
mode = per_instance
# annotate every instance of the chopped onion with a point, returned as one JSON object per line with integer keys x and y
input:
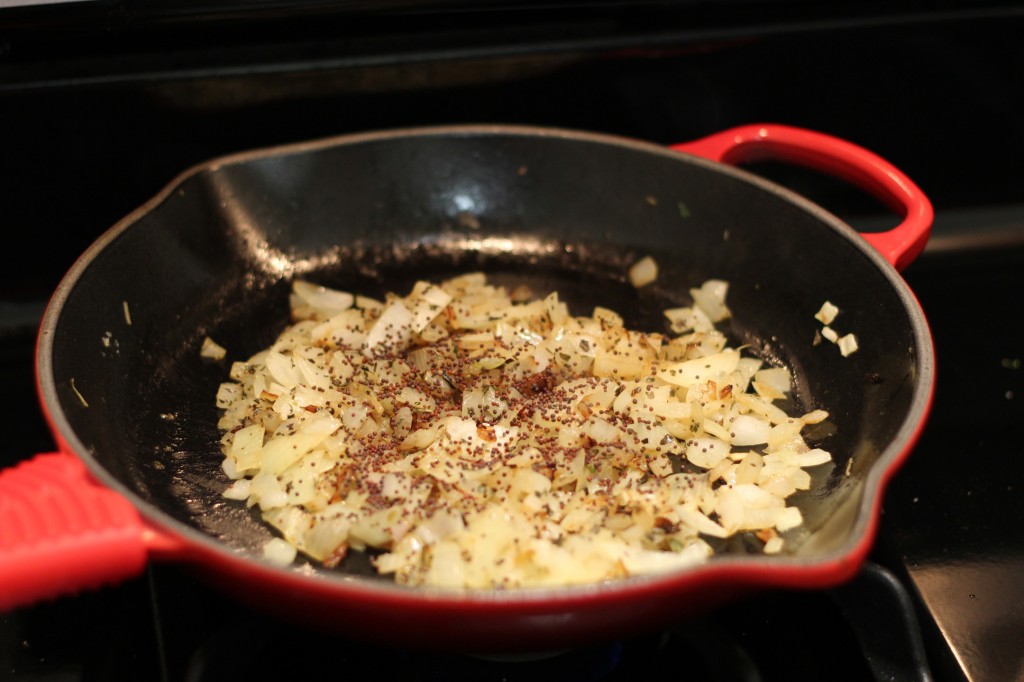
{"x": 827, "y": 313}
{"x": 706, "y": 452}
{"x": 480, "y": 440}
{"x": 247, "y": 447}
{"x": 814, "y": 417}
{"x": 643, "y": 272}
{"x": 327, "y": 300}
{"x": 710, "y": 298}
{"x": 211, "y": 350}
{"x": 279, "y": 552}
{"x": 697, "y": 371}
{"x": 848, "y": 345}
{"x": 748, "y": 430}
{"x": 239, "y": 490}
{"x": 776, "y": 378}
{"x": 392, "y": 331}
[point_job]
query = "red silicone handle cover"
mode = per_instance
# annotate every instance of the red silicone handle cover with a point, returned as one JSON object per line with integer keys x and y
{"x": 60, "y": 533}
{"x": 845, "y": 160}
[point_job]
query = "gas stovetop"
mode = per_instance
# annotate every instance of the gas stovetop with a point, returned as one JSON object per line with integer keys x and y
{"x": 941, "y": 595}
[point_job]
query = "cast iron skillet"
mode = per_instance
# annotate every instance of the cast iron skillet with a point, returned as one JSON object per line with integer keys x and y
{"x": 131, "y": 403}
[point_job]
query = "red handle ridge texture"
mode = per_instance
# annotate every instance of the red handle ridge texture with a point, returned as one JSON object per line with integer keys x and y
{"x": 845, "y": 160}
{"x": 60, "y": 534}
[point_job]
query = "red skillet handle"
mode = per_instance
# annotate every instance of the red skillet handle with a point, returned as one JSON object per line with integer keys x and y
{"x": 60, "y": 533}
{"x": 900, "y": 245}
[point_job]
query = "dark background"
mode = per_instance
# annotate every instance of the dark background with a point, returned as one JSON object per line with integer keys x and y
{"x": 103, "y": 103}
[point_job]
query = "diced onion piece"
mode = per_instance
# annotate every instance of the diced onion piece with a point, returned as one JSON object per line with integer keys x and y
{"x": 691, "y": 372}
{"x": 420, "y": 439}
{"x": 211, "y": 350}
{"x": 749, "y": 468}
{"x": 432, "y": 302}
{"x": 713, "y": 428}
{"x": 643, "y": 272}
{"x": 282, "y": 369}
{"x": 706, "y": 452}
{"x": 848, "y": 345}
{"x": 328, "y": 300}
{"x": 689, "y": 318}
{"x": 617, "y": 365}
{"x": 814, "y": 417}
{"x": 748, "y": 430}
{"x": 827, "y": 313}
{"x": 762, "y": 407}
{"x": 748, "y": 368}
{"x": 710, "y": 298}
{"x": 639, "y": 561}
{"x": 227, "y": 394}
{"x": 347, "y": 329}
{"x": 266, "y": 490}
{"x": 601, "y": 431}
{"x": 326, "y": 536}
{"x": 239, "y": 490}
{"x": 788, "y": 518}
{"x": 246, "y": 448}
{"x": 783, "y": 433}
{"x": 775, "y": 377}
{"x": 813, "y": 457}
{"x": 279, "y": 552}
{"x": 282, "y": 451}
{"x": 392, "y": 331}
{"x": 701, "y": 523}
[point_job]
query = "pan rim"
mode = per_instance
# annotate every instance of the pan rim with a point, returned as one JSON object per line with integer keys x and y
{"x": 813, "y": 571}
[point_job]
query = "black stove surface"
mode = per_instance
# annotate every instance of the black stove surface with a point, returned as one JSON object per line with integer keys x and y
{"x": 938, "y": 95}
{"x": 169, "y": 627}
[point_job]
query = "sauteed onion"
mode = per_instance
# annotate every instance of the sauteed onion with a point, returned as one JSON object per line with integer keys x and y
{"x": 475, "y": 438}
